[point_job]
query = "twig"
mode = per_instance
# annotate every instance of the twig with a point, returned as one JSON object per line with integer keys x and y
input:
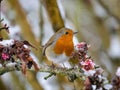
{"x": 51, "y": 74}
{"x": 5, "y": 27}
{"x": 6, "y": 69}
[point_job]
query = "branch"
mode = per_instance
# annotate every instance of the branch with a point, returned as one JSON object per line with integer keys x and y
{"x": 71, "y": 72}
{"x": 5, "y": 27}
{"x": 53, "y": 13}
{"x": 77, "y": 72}
{"x": 6, "y": 69}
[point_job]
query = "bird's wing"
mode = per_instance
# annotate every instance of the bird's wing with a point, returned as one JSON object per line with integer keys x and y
{"x": 45, "y": 46}
{"x": 52, "y": 40}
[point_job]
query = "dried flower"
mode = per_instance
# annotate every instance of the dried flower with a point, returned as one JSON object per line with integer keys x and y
{"x": 97, "y": 82}
{"x": 80, "y": 53}
{"x": 20, "y": 51}
{"x": 116, "y": 80}
{"x": 82, "y": 47}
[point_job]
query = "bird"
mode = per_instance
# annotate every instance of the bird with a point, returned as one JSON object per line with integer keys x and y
{"x": 60, "y": 46}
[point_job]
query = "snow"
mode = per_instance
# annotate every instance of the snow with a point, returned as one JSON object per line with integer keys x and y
{"x": 7, "y": 42}
{"x": 118, "y": 72}
{"x": 114, "y": 49}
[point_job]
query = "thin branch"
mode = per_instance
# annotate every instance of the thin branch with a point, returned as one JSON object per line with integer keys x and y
{"x": 6, "y": 69}
{"x": 48, "y": 69}
{"x": 61, "y": 70}
{"x": 6, "y": 28}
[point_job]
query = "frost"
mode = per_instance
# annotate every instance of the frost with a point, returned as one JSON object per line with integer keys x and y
{"x": 7, "y": 42}
{"x": 108, "y": 86}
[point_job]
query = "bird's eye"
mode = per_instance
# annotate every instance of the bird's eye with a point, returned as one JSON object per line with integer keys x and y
{"x": 66, "y": 33}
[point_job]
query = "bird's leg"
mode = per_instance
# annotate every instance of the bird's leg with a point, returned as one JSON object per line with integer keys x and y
{"x": 53, "y": 66}
{"x": 66, "y": 65}
{"x": 63, "y": 65}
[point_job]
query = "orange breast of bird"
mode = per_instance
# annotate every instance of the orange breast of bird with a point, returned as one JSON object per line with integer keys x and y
{"x": 64, "y": 45}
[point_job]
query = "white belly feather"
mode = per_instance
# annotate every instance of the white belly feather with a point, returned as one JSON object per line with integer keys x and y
{"x": 55, "y": 58}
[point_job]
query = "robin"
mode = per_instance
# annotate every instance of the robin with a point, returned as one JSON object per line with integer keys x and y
{"x": 60, "y": 46}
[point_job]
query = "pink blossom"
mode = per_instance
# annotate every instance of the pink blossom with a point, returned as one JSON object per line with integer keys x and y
{"x": 87, "y": 64}
{"x": 5, "y": 56}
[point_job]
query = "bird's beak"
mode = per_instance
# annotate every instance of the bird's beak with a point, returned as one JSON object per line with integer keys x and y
{"x": 75, "y": 32}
